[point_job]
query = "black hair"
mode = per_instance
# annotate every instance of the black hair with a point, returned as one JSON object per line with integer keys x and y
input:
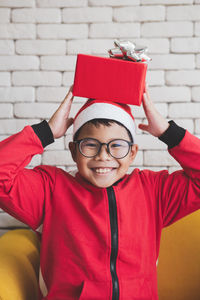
{"x": 105, "y": 122}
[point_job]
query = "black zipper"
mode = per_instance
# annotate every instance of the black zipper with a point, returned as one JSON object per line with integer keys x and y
{"x": 114, "y": 242}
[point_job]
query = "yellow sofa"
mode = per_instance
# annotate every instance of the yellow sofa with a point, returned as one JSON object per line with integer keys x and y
{"x": 178, "y": 265}
{"x": 179, "y": 260}
{"x": 19, "y": 265}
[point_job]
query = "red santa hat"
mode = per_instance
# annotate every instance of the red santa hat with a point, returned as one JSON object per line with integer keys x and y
{"x": 102, "y": 109}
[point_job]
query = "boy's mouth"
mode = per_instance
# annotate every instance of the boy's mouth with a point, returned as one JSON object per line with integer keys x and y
{"x": 102, "y": 170}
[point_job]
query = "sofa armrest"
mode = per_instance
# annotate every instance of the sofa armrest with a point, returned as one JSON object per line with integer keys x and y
{"x": 19, "y": 265}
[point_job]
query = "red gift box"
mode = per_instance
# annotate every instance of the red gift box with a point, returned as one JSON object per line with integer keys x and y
{"x": 109, "y": 79}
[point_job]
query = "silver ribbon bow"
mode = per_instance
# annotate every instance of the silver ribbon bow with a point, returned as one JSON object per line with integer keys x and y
{"x": 129, "y": 51}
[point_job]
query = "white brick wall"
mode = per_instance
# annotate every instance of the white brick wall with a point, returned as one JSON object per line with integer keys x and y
{"x": 40, "y": 47}
{"x": 39, "y": 41}
{"x": 37, "y": 15}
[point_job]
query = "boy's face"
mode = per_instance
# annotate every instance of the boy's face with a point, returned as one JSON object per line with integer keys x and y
{"x": 103, "y": 170}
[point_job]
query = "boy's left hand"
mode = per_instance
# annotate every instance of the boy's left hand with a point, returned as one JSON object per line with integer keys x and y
{"x": 157, "y": 125}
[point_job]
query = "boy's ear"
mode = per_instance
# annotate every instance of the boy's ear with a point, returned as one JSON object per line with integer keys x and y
{"x": 72, "y": 148}
{"x": 133, "y": 152}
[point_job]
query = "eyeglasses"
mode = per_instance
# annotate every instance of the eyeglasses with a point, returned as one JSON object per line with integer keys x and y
{"x": 117, "y": 148}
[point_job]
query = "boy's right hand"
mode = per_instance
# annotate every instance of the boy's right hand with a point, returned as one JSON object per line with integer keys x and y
{"x": 60, "y": 121}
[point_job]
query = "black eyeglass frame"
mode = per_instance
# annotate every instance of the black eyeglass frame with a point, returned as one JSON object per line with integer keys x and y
{"x": 101, "y": 144}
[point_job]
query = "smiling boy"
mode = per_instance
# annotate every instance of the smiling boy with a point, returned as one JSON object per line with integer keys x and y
{"x": 100, "y": 229}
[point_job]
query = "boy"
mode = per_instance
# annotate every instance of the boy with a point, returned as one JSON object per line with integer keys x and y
{"x": 100, "y": 228}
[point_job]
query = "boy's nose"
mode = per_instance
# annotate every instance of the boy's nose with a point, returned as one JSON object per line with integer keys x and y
{"x": 103, "y": 153}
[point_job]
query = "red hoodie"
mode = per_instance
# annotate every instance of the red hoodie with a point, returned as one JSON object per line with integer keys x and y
{"x": 97, "y": 243}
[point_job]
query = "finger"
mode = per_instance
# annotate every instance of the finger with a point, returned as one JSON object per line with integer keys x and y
{"x": 68, "y": 99}
{"x": 146, "y": 86}
{"x": 144, "y": 127}
{"x": 145, "y": 103}
{"x": 148, "y": 105}
{"x": 69, "y": 122}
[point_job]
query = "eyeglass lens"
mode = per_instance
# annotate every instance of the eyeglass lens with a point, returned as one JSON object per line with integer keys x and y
{"x": 117, "y": 148}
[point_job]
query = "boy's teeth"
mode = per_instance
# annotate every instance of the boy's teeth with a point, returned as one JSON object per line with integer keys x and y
{"x": 103, "y": 170}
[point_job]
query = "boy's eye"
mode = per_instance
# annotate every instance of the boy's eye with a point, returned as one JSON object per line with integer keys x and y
{"x": 90, "y": 144}
{"x": 118, "y": 144}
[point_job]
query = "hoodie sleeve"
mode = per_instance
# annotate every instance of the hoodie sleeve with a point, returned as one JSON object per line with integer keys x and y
{"x": 179, "y": 193}
{"x": 24, "y": 193}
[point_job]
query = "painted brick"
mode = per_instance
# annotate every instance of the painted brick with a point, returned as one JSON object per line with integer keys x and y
{"x": 170, "y": 94}
{"x": 137, "y": 122}
{"x": 68, "y": 78}
{"x": 184, "y": 110}
{"x": 172, "y": 61}
{"x": 198, "y": 61}
{"x": 5, "y": 79}
{"x": 89, "y": 46}
{"x": 184, "y": 12}
{"x": 51, "y": 94}
{"x": 146, "y": 142}
{"x": 11, "y": 126}
{"x": 185, "y": 45}
{"x": 17, "y": 94}
{"x": 114, "y": 30}
{"x": 138, "y": 161}
{"x": 7, "y": 47}
{"x": 183, "y": 77}
{"x": 155, "y": 78}
{"x": 17, "y": 3}
{"x": 197, "y": 126}
{"x": 87, "y": 15}
{"x": 162, "y": 108}
{"x": 138, "y": 111}
{"x": 113, "y": 2}
{"x": 166, "y": 2}
{"x": 35, "y": 161}
{"x": 61, "y": 3}
{"x": 197, "y": 29}
{"x": 173, "y": 169}
{"x": 36, "y": 78}
{"x": 7, "y": 221}
{"x": 186, "y": 123}
{"x": 57, "y": 145}
{"x": 17, "y": 31}
{"x": 68, "y": 138}
{"x": 74, "y": 109}
{"x": 9, "y": 63}
{"x": 34, "y": 110}
{"x": 196, "y": 93}
{"x": 70, "y": 129}
{"x": 167, "y": 29}
{"x": 40, "y": 47}
{"x": 60, "y": 63}
{"x": 62, "y": 31}
{"x": 157, "y": 45}
{"x": 158, "y": 158}
{"x": 100, "y": 46}
{"x": 71, "y": 168}
{"x": 36, "y": 15}
{"x": 139, "y": 13}
{"x": 3, "y": 137}
{"x": 4, "y": 15}
{"x": 6, "y": 111}
{"x": 57, "y": 158}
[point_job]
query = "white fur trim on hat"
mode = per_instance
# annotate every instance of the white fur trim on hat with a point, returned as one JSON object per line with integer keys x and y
{"x": 105, "y": 111}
